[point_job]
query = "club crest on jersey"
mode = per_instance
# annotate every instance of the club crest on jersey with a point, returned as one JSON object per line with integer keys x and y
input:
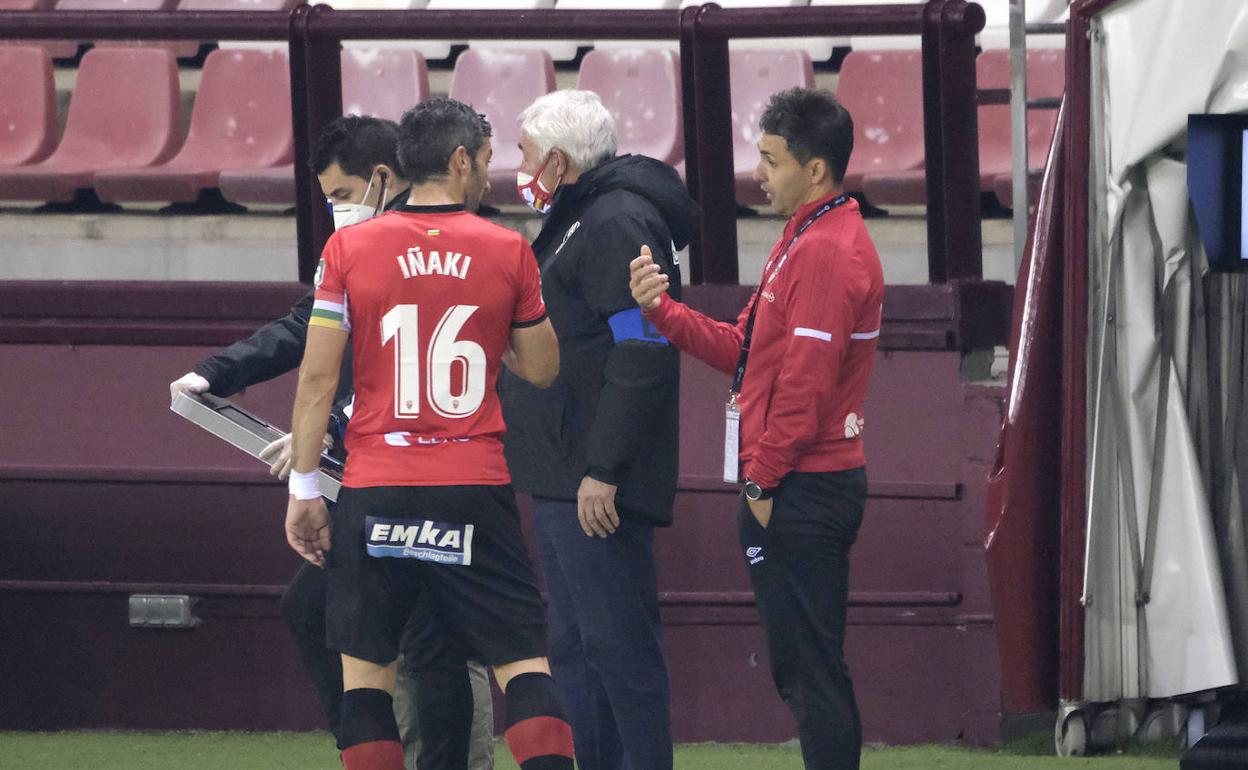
{"x": 419, "y": 539}
{"x": 416, "y": 263}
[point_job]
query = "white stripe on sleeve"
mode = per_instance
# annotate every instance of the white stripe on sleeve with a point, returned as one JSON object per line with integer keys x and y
{"x": 802, "y": 331}
{"x": 865, "y": 335}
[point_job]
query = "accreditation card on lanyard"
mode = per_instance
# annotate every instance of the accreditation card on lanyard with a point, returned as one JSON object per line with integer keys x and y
{"x": 732, "y": 412}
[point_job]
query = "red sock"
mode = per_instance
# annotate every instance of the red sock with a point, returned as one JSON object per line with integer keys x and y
{"x": 374, "y": 755}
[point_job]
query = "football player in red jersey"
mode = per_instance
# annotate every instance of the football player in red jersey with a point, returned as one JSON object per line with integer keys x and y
{"x": 435, "y": 301}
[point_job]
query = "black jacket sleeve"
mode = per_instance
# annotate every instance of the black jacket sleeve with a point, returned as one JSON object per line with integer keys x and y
{"x": 638, "y": 372}
{"x": 271, "y": 351}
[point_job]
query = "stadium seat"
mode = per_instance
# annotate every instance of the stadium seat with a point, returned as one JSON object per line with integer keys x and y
{"x": 236, "y": 5}
{"x": 57, "y": 49}
{"x": 241, "y": 120}
{"x": 274, "y": 186}
{"x": 385, "y": 82}
{"x": 641, "y": 88}
{"x": 877, "y": 42}
{"x": 500, "y": 83}
{"x": 28, "y": 110}
{"x": 125, "y": 112}
{"x": 670, "y": 44}
{"x": 996, "y": 32}
{"x": 755, "y": 76}
{"x": 559, "y": 50}
{"x": 1046, "y": 76}
{"x": 181, "y": 49}
{"x": 818, "y": 48}
{"x": 883, "y": 91}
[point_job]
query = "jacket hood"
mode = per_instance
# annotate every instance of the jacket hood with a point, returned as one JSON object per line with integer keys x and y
{"x": 653, "y": 180}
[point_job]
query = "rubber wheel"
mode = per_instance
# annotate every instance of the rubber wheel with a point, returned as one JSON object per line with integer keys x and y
{"x": 1070, "y": 734}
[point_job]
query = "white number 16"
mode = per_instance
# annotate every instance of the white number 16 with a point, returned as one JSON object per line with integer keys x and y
{"x": 447, "y": 398}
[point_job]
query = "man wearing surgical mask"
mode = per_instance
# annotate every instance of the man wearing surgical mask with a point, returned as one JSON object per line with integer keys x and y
{"x": 598, "y": 449}
{"x": 356, "y": 162}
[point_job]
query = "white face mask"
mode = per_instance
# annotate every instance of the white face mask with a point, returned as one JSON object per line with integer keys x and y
{"x": 347, "y": 214}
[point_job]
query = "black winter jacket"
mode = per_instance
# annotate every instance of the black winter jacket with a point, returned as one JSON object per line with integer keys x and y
{"x": 613, "y": 412}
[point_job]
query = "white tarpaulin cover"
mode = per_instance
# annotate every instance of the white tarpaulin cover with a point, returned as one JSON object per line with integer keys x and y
{"x": 1167, "y": 570}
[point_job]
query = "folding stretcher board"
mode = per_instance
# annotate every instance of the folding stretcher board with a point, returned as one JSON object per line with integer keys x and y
{"x": 238, "y": 427}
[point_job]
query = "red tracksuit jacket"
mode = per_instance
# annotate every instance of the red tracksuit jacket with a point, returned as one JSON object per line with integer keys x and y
{"x": 815, "y": 334}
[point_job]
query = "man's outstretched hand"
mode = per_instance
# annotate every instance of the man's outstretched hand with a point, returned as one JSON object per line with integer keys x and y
{"x": 646, "y": 281}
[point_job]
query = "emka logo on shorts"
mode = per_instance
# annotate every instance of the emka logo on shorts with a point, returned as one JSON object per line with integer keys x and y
{"x": 419, "y": 539}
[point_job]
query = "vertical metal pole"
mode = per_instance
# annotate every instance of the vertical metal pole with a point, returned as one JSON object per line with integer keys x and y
{"x": 1074, "y": 416}
{"x": 717, "y": 228}
{"x": 933, "y": 147}
{"x": 316, "y": 66}
{"x": 960, "y": 139}
{"x": 689, "y": 106}
{"x": 1019, "y": 162}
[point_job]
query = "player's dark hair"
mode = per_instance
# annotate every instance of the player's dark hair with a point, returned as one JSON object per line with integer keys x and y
{"x": 430, "y": 133}
{"x": 357, "y": 144}
{"x": 814, "y": 124}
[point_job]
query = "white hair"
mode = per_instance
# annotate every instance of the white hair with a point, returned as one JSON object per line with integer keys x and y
{"x": 575, "y": 122}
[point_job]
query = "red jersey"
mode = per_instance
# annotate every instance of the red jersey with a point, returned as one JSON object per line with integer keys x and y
{"x": 813, "y": 347}
{"x": 429, "y": 295}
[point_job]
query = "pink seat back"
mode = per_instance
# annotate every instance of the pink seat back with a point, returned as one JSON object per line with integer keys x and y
{"x": 383, "y": 82}
{"x": 114, "y": 5}
{"x": 500, "y": 83}
{"x": 641, "y": 88}
{"x": 755, "y": 76}
{"x": 236, "y": 5}
{"x": 1046, "y": 73}
{"x": 125, "y": 111}
{"x": 28, "y": 109}
{"x": 883, "y": 91}
{"x": 242, "y": 112}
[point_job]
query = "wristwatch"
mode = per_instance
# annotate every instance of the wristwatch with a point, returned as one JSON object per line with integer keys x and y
{"x": 755, "y": 493}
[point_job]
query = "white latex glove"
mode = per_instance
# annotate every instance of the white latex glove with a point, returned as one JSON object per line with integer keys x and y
{"x": 187, "y": 383}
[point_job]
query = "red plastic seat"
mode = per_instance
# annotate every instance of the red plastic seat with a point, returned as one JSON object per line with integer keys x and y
{"x": 236, "y": 5}
{"x": 499, "y": 83}
{"x": 28, "y": 110}
{"x": 641, "y": 88}
{"x": 275, "y": 185}
{"x": 126, "y": 111}
{"x": 1046, "y": 78}
{"x": 241, "y": 121}
{"x": 385, "y": 82}
{"x": 57, "y": 49}
{"x": 883, "y": 91}
{"x": 755, "y": 76}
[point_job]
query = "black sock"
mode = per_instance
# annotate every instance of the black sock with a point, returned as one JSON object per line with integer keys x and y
{"x": 370, "y": 737}
{"x": 537, "y": 734}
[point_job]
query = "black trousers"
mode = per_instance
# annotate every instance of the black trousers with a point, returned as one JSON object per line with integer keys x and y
{"x": 799, "y": 569}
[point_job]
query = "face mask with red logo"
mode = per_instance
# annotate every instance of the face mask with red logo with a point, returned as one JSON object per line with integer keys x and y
{"x": 533, "y": 191}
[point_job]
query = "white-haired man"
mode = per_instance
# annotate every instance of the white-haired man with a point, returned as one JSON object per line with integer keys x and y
{"x": 598, "y": 450}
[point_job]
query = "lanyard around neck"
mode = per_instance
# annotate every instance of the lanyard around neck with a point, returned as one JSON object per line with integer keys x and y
{"x": 768, "y": 277}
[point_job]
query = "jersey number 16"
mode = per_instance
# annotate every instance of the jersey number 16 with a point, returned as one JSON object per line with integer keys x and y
{"x": 447, "y": 397}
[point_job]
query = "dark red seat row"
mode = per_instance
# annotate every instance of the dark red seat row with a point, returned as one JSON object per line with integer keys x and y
{"x": 905, "y": 183}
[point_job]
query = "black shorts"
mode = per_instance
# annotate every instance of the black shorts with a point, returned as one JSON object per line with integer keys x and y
{"x": 459, "y": 546}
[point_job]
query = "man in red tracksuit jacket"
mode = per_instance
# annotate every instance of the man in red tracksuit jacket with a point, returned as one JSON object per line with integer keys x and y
{"x": 801, "y": 353}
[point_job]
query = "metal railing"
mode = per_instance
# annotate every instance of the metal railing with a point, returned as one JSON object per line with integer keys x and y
{"x": 315, "y": 33}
